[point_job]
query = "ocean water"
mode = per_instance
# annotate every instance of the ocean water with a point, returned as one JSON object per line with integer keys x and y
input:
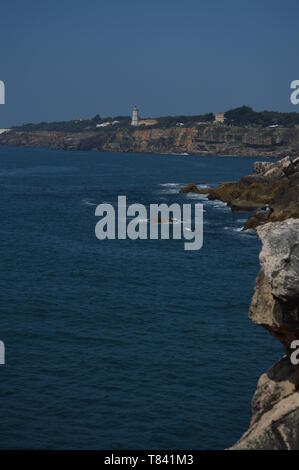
{"x": 123, "y": 344}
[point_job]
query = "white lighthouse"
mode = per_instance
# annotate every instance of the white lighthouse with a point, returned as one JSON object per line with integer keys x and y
{"x": 135, "y": 117}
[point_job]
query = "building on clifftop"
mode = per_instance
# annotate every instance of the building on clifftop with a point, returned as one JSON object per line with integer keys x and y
{"x": 135, "y": 117}
{"x": 220, "y": 118}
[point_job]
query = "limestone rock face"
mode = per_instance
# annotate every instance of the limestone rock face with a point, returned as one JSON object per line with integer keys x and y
{"x": 265, "y": 309}
{"x": 275, "y": 306}
{"x": 274, "y": 170}
{"x": 272, "y": 191}
{"x": 280, "y": 381}
{"x": 274, "y": 173}
{"x": 279, "y": 257}
{"x": 206, "y": 139}
{"x": 260, "y": 168}
{"x": 277, "y": 429}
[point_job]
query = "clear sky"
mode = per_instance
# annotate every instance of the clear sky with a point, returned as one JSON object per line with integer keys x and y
{"x": 63, "y": 59}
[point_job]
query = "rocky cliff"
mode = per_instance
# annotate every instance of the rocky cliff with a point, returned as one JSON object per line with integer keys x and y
{"x": 275, "y": 306}
{"x": 206, "y": 139}
{"x": 273, "y": 192}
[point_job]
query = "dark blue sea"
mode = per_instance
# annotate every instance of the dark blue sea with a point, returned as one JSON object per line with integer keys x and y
{"x": 123, "y": 344}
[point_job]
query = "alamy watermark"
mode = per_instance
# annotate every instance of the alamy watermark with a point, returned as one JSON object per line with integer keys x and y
{"x": 162, "y": 221}
{"x": 295, "y": 354}
{"x": 2, "y": 353}
{"x": 295, "y": 94}
{"x": 2, "y": 92}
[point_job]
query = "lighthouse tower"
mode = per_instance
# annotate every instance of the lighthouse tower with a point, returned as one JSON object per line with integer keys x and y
{"x": 135, "y": 116}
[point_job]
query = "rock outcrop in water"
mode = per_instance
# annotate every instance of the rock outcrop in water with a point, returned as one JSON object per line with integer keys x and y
{"x": 205, "y": 139}
{"x": 275, "y": 306}
{"x": 272, "y": 191}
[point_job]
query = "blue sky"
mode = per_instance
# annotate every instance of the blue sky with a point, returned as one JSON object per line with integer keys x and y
{"x": 67, "y": 59}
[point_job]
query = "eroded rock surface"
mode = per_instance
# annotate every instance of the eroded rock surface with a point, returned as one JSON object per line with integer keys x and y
{"x": 206, "y": 139}
{"x": 272, "y": 191}
{"x": 280, "y": 258}
{"x": 277, "y": 429}
{"x": 275, "y": 306}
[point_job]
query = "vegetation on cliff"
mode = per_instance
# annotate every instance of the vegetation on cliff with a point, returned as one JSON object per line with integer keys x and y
{"x": 246, "y": 116}
{"x": 74, "y": 125}
{"x": 242, "y": 116}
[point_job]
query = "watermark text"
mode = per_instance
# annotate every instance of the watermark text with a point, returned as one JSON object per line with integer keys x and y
{"x": 162, "y": 222}
{"x": 295, "y": 94}
{"x": 2, "y": 353}
{"x": 2, "y": 92}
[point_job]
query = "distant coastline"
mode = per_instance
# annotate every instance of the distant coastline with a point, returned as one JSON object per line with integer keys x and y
{"x": 238, "y": 132}
{"x": 206, "y": 139}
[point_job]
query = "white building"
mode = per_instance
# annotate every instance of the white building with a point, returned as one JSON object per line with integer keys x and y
{"x": 220, "y": 118}
{"x": 135, "y": 117}
{"x": 104, "y": 124}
